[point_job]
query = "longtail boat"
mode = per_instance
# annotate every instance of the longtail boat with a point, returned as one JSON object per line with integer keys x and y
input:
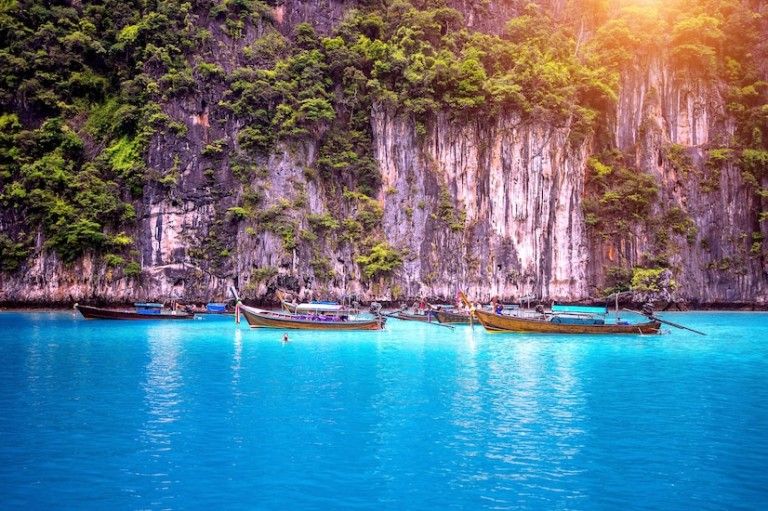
{"x": 258, "y": 318}
{"x": 313, "y": 307}
{"x": 561, "y": 324}
{"x": 406, "y": 316}
{"x": 456, "y": 315}
{"x": 445, "y": 316}
{"x": 151, "y": 311}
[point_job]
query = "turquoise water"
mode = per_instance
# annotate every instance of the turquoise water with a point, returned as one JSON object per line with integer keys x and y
{"x": 205, "y": 415}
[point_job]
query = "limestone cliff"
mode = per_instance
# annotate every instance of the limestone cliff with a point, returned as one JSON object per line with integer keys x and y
{"x": 491, "y": 205}
{"x": 717, "y": 261}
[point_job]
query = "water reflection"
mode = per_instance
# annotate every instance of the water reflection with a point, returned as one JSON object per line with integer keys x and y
{"x": 533, "y": 408}
{"x": 237, "y": 357}
{"x": 470, "y": 340}
{"x": 396, "y": 429}
{"x": 468, "y": 416}
{"x": 162, "y": 389}
{"x": 236, "y": 394}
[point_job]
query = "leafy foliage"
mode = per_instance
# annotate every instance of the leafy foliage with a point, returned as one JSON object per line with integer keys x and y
{"x": 448, "y": 213}
{"x": 322, "y": 268}
{"x": 12, "y": 253}
{"x": 621, "y": 195}
{"x": 84, "y": 86}
{"x": 263, "y": 273}
{"x": 323, "y": 222}
{"x": 78, "y": 111}
{"x": 617, "y": 280}
{"x": 678, "y": 158}
{"x": 650, "y": 280}
{"x": 705, "y": 40}
{"x": 382, "y": 260}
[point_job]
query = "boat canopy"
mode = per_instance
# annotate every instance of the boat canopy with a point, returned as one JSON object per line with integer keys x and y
{"x": 148, "y": 308}
{"x": 581, "y": 309}
{"x": 318, "y": 307}
{"x": 216, "y": 307}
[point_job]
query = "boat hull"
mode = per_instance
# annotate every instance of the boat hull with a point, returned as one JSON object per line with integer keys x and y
{"x": 452, "y": 317}
{"x": 414, "y": 317}
{"x": 496, "y": 323}
{"x": 90, "y": 312}
{"x": 258, "y": 318}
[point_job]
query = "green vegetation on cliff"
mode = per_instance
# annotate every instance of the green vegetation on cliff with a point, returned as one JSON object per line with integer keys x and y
{"x": 717, "y": 44}
{"x": 79, "y": 99}
{"x": 88, "y": 87}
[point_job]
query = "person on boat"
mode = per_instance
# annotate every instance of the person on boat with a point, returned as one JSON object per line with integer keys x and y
{"x": 499, "y": 308}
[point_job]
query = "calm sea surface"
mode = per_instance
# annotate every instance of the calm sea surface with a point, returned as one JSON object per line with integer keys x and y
{"x": 207, "y": 415}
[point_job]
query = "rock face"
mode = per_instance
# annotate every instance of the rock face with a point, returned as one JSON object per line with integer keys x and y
{"x": 656, "y": 110}
{"x": 508, "y": 201}
{"x": 492, "y": 206}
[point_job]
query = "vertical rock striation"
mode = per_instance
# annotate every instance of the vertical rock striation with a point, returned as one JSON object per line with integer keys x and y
{"x": 490, "y": 205}
{"x": 658, "y": 111}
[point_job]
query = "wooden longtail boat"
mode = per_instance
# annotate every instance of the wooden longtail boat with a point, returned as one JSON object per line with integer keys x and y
{"x": 258, "y": 318}
{"x": 555, "y": 324}
{"x": 405, "y": 316}
{"x": 142, "y": 312}
{"x": 444, "y": 316}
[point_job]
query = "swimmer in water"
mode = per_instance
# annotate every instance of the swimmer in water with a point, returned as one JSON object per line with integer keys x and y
{"x": 285, "y": 337}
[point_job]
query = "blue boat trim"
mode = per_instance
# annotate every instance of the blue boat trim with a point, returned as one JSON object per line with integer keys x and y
{"x": 148, "y": 308}
{"x": 582, "y": 309}
{"x": 577, "y": 320}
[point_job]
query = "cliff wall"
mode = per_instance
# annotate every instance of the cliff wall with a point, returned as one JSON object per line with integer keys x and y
{"x": 492, "y": 205}
{"x": 670, "y": 122}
